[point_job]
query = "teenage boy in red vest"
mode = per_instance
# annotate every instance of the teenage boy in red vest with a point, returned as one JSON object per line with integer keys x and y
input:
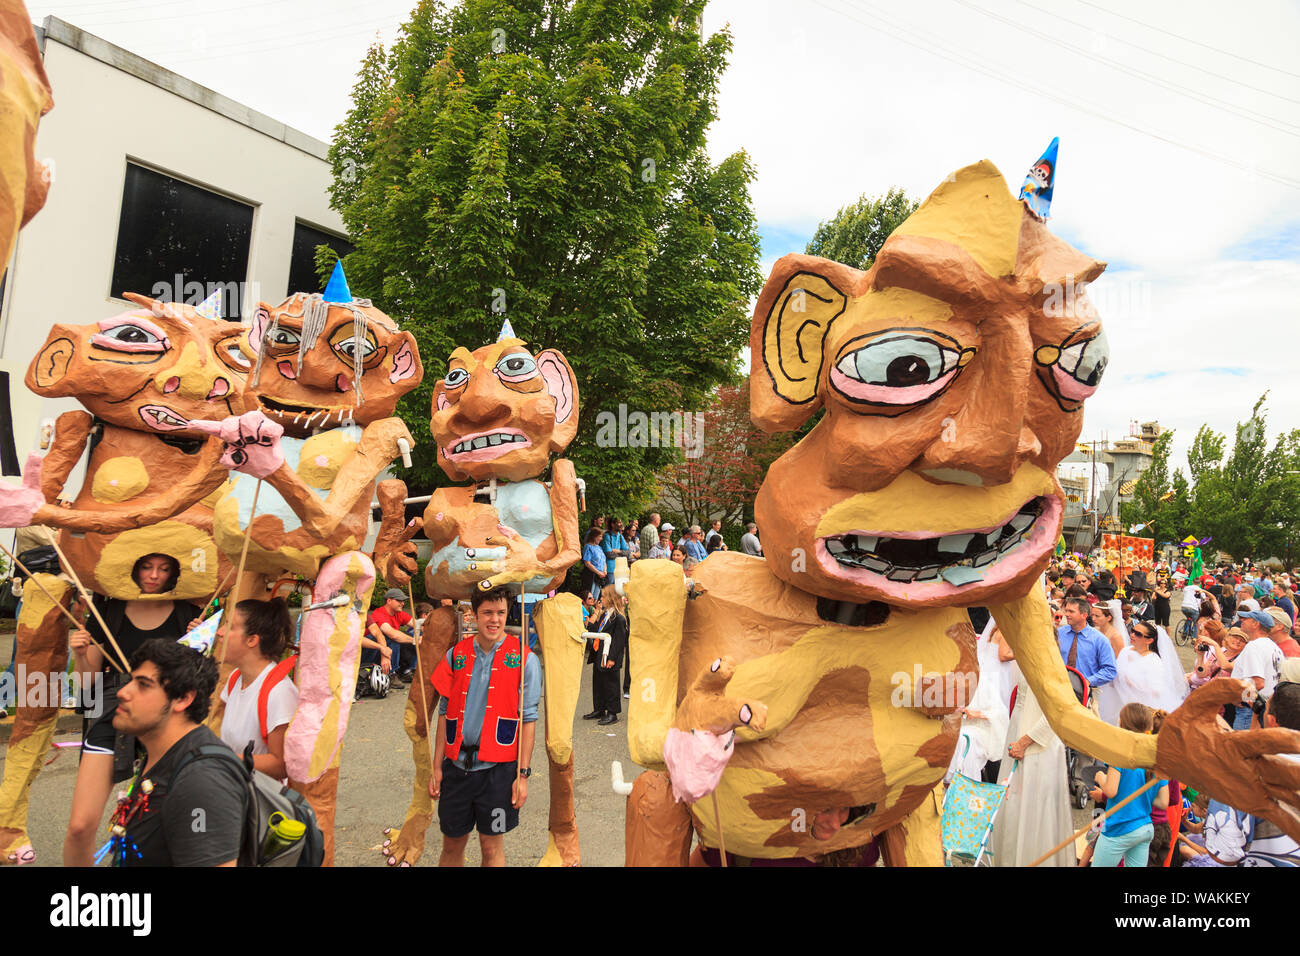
{"x": 479, "y": 733}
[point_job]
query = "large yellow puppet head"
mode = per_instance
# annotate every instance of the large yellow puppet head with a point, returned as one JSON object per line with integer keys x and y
{"x": 952, "y": 374}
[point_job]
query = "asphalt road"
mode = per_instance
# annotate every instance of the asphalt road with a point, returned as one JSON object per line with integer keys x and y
{"x": 375, "y": 788}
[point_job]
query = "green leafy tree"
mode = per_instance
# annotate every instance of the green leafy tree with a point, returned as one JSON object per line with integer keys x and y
{"x": 1246, "y": 498}
{"x": 855, "y": 234}
{"x": 544, "y": 162}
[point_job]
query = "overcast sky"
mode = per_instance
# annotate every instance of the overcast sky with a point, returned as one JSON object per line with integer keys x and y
{"x": 1179, "y": 160}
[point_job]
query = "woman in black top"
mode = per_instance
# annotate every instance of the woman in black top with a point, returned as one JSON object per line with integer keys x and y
{"x": 608, "y": 618}
{"x": 106, "y": 756}
{"x": 1161, "y": 600}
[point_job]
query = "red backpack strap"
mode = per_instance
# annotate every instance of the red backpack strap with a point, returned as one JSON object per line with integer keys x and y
{"x": 278, "y": 673}
{"x": 230, "y": 684}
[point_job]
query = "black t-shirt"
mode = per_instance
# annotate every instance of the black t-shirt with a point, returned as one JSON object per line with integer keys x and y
{"x": 128, "y": 636}
{"x": 196, "y": 819}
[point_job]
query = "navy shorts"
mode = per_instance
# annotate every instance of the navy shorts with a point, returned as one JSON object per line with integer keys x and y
{"x": 480, "y": 798}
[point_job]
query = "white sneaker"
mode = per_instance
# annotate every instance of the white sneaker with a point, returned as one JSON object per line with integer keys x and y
{"x": 627, "y": 696}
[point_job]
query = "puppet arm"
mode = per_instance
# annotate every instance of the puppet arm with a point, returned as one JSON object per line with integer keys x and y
{"x": 564, "y": 513}
{"x": 71, "y": 430}
{"x": 1026, "y": 625}
{"x": 204, "y": 478}
{"x": 395, "y": 555}
{"x": 657, "y": 612}
{"x": 354, "y": 481}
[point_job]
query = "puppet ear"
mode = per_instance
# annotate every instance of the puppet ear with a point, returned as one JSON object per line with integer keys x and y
{"x": 48, "y": 373}
{"x": 562, "y": 386}
{"x": 406, "y": 361}
{"x": 257, "y": 328}
{"x": 794, "y": 312}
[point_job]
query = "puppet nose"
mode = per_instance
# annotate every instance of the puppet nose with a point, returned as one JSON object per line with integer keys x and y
{"x": 192, "y": 377}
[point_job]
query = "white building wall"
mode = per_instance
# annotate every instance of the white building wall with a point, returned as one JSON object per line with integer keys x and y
{"x": 105, "y": 115}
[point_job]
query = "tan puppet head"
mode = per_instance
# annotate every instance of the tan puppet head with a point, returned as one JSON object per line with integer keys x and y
{"x": 952, "y": 374}
{"x": 154, "y": 368}
{"x": 500, "y": 412}
{"x": 24, "y": 99}
{"x": 325, "y": 364}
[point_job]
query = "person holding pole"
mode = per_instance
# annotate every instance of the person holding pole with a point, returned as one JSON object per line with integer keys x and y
{"x": 487, "y": 720}
{"x": 106, "y": 755}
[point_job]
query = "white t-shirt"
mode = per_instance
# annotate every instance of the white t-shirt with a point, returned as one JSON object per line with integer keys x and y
{"x": 239, "y": 725}
{"x": 1259, "y": 658}
{"x": 1190, "y": 600}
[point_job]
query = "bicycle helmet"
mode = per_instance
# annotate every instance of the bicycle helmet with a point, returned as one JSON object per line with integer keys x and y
{"x": 379, "y": 681}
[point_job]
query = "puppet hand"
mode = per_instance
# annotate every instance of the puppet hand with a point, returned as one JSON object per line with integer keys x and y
{"x": 252, "y": 442}
{"x": 515, "y": 562}
{"x": 19, "y": 503}
{"x": 695, "y": 760}
{"x": 1240, "y": 768}
{"x": 705, "y": 707}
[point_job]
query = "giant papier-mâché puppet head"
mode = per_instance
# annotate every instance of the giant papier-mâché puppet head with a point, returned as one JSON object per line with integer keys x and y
{"x": 501, "y": 412}
{"x": 952, "y": 374}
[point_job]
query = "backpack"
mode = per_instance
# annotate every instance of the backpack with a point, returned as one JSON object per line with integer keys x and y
{"x": 266, "y": 796}
{"x": 278, "y": 673}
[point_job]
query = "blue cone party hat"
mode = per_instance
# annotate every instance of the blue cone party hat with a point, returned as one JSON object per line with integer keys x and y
{"x": 507, "y": 331}
{"x": 336, "y": 290}
{"x": 1037, "y": 188}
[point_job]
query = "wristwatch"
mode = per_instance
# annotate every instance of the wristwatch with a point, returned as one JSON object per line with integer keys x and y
{"x": 525, "y": 772}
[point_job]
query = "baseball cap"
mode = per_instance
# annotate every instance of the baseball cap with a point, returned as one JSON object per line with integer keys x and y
{"x": 1263, "y": 618}
{"x": 1238, "y": 633}
{"x": 1250, "y": 604}
{"x": 1279, "y": 617}
{"x": 666, "y": 527}
{"x": 394, "y": 594}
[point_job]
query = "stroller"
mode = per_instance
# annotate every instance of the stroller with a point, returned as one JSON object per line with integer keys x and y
{"x": 1081, "y": 769}
{"x": 969, "y": 809}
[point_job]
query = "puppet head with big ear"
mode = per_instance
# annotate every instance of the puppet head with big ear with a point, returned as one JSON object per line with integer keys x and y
{"x": 952, "y": 374}
{"x": 154, "y": 368}
{"x": 500, "y": 412}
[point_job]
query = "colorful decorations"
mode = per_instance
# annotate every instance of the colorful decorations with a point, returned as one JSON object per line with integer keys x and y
{"x": 1039, "y": 182}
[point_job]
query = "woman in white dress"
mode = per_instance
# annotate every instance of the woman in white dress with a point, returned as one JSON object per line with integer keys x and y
{"x": 1035, "y": 815}
{"x": 1146, "y": 672}
{"x": 984, "y": 718}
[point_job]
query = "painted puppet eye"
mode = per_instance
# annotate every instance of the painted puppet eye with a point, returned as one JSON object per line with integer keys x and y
{"x": 237, "y": 356}
{"x": 455, "y": 378}
{"x": 1086, "y": 361}
{"x": 516, "y": 368}
{"x": 901, "y": 370}
{"x": 282, "y": 338}
{"x": 129, "y": 337}
{"x": 348, "y": 347}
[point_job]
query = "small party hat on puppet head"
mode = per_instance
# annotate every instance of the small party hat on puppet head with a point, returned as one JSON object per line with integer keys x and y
{"x": 1037, "y": 188}
{"x": 211, "y": 307}
{"x": 507, "y": 331}
{"x": 336, "y": 290}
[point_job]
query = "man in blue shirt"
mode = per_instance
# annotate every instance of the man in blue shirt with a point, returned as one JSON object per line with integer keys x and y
{"x": 692, "y": 545}
{"x": 1085, "y": 648}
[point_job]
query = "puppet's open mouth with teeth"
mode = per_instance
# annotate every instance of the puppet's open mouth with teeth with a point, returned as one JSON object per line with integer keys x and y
{"x": 305, "y": 416}
{"x": 484, "y": 446}
{"x": 924, "y": 565}
{"x": 163, "y": 419}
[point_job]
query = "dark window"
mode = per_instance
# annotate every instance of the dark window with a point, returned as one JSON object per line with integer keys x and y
{"x": 179, "y": 242}
{"x": 302, "y": 267}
